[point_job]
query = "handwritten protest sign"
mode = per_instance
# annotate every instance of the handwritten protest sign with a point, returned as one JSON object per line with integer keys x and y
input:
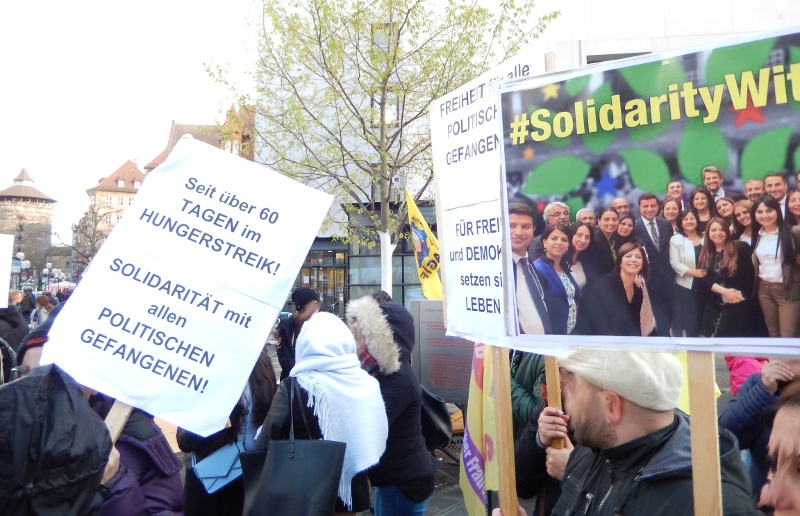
{"x": 466, "y": 139}
{"x": 175, "y": 308}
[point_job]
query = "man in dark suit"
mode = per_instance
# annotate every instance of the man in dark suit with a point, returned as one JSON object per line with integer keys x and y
{"x": 533, "y": 318}
{"x": 675, "y": 191}
{"x": 655, "y": 233}
{"x": 777, "y": 186}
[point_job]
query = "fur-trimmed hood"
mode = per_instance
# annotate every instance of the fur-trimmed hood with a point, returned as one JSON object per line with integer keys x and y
{"x": 388, "y": 330}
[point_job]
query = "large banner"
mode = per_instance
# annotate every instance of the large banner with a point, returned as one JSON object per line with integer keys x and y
{"x": 622, "y": 129}
{"x": 176, "y": 307}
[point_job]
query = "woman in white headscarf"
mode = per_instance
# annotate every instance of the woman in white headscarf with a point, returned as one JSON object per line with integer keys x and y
{"x": 342, "y": 402}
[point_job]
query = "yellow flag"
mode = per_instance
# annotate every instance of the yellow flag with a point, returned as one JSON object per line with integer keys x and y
{"x": 478, "y": 468}
{"x": 426, "y": 251}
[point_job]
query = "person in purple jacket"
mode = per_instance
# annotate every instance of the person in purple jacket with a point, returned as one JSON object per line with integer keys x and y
{"x": 142, "y": 474}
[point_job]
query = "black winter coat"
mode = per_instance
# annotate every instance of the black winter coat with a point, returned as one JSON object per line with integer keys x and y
{"x": 650, "y": 475}
{"x": 749, "y": 417}
{"x": 13, "y": 327}
{"x": 389, "y": 332}
{"x": 604, "y": 309}
{"x": 287, "y": 335}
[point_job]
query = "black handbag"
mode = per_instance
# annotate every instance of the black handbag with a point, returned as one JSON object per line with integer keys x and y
{"x": 288, "y": 468}
{"x": 437, "y": 427}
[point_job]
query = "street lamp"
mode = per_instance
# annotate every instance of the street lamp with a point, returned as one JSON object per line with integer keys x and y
{"x": 19, "y": 256}
{"x": 47, "y": 271}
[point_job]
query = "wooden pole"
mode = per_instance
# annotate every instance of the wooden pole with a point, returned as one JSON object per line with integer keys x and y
{"x": 504, "y": 445}
{"x": 553, "y": 391}
{"x": 706, "y": 480}
{"x": 116, "y": 419}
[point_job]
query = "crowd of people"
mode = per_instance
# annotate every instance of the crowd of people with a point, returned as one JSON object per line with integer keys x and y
{"x": 354, "y": 383}
{"x": 713, "y": 264}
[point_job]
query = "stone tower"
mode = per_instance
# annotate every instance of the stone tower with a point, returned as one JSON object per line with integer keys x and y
{"x": 27, "y": 213}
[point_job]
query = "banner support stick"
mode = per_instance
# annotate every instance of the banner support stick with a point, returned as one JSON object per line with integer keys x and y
{"x": 553, "y": 391}
{"x": 116, "y": 419}
{"x": 706, "y": 479}
{"x": 504, "y": 446}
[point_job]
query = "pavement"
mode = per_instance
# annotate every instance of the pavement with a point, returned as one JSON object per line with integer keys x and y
{"x": 446, "y": 498}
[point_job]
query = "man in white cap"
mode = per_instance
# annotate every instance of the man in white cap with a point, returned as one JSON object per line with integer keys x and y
{"x": 633, "y": 454}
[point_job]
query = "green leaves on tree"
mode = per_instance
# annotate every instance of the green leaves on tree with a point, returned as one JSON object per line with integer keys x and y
{"x": 556, "y": 176}
{"x": 701, "y": 145}
{"x": 765, "y": 153}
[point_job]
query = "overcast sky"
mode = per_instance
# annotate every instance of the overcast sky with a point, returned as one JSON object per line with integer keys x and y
{"x": 87, "y": 85}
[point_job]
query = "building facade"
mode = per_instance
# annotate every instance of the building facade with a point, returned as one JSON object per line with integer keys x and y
{"x": 108, "y": 201}
{"x": 27, "y": 213}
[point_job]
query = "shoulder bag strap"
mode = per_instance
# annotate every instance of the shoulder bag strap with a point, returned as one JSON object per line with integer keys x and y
{"x": 302, "y": 411}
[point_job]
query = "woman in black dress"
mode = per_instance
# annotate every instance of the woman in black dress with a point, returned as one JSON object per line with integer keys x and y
{"x": 583, "y": 257}
{"x": 613, "y": 305}
{"x": 607, "y": 222}
{"x": 702, "y": 202}
{"x": 731, "y": 309}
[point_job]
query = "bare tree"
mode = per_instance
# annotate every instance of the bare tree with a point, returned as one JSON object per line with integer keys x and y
{"x": 344, "y": 90}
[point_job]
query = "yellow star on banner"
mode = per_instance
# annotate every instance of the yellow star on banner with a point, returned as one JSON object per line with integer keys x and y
{"x": 551, "y": 91}
{"x": 527, "y": 153}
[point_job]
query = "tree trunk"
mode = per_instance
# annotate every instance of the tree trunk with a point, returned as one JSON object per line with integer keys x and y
{"x": 387, "y": 250}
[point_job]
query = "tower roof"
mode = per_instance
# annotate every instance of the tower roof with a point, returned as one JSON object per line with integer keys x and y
{"x": 23, "y": 176}
{"x": 21, "y": 190}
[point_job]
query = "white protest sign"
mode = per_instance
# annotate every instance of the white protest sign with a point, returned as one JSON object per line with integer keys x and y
{"x": 177, "y": 305}
{"x": 466, "y": 138}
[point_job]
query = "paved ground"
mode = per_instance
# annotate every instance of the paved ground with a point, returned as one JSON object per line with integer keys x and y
{"x": 447, "y": 499}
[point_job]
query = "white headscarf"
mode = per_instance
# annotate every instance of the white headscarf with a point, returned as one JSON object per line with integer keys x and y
{"x": 346, "y": 400}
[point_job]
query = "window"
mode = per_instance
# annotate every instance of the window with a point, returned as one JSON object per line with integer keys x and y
{"x": 119, "y": 217}
{"x": 107, "y": 220}
{"x": 108, "y": 200}
{"x": 120, "y": 201}
{"x": 121, "y": 183}
{"x": 130, "y": 201}
{"x": 137, "y": 184}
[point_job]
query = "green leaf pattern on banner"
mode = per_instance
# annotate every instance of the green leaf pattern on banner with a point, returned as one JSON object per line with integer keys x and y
{"x": 643, "y": 133}
{"x": 598, "y": 141}
{"x": 652, "y": 79}
{"x": 737, "y": 59}
{"x": 575, "y": 204}
{"x": 576, "y": 84}
{"x": 556, "y": 176}
{"x": 765, "y": 153}
{"x": 701, "y": 145}
{"x": 796, "y": 160}
{"x": 647, "y": 170}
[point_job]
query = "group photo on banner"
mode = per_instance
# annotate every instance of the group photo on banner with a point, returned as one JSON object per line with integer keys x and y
{"x": 645, "y": 224}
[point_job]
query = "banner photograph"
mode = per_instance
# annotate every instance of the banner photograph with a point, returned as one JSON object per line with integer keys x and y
{"x": 651, "y": 198}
